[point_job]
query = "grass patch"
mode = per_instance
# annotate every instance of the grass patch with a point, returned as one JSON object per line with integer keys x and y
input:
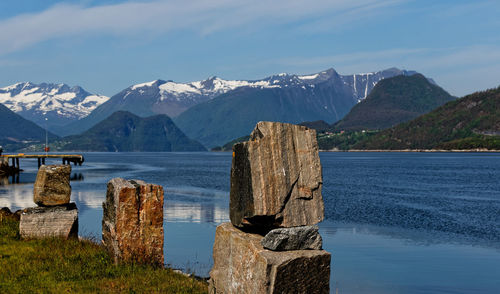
{"x": 69, "y": 266}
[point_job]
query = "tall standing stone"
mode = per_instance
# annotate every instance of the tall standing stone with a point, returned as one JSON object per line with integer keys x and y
{"x": 52, "y": 185}
{"x": 276, "y": 186}
{"x": 276, "y": 178}
{"x": 132, "y": 225}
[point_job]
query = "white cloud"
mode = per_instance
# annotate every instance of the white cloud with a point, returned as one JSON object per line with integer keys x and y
{"x": 199, "y": 16}
{"x": 360, "y": 13}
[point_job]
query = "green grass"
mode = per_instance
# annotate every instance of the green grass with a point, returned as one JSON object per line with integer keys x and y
{"x": 73, "y": 266}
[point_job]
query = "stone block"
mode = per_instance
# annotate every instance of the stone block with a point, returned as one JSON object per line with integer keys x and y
{"x": 276, "y": 178}
{"x": 296, "y": 238}
{"x": 242, "y": 265}
{"x": 52, "y": 186}
{"x": 132, "y": 225}
{"x": 47, "y": 222}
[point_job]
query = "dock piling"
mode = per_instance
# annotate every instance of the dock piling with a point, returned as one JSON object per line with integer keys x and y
{"x": 76, "y": 159}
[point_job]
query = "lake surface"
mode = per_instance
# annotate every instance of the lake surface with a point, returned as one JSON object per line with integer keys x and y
{"x": 395, "y": 222}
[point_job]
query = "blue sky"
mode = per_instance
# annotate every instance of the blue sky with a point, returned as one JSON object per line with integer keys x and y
{"x": 106, "y": 46}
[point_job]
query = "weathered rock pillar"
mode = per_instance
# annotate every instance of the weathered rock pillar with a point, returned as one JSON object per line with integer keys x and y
{"x": 272, "y": 244}
{"x": 55, "y": 216}
{"x": 276, "y": 178}
{"x": 132, "y": 225}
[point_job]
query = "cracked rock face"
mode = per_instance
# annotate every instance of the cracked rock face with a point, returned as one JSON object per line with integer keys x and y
{"x": 52, "y": 185}
{"x": 296, "y": 238}
{"x": 242, "y": 265}
{"x": 276, "y": 178}
{"x": 47, "y": 222}
{"x": 132, "y": 225}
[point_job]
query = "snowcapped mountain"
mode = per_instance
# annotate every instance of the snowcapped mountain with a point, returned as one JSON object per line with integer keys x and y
{"x": 173, "y": 98}
{"x": 49, "y": 105}
{"x": 210, "y": 87}
{"x": 331, "y": 93}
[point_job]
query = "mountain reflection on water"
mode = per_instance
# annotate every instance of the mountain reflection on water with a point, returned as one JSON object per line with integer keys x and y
{"x": 395, "y": 222}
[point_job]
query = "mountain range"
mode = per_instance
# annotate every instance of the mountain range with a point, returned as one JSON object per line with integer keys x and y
{"x": 392, "y": 101}
{"x": 324, "y": 96}
{"x": 50, "y": 105}
{"x": 158, "y": 97}
{"x": 213, "y": 111}
{"x": 329, "y": 96}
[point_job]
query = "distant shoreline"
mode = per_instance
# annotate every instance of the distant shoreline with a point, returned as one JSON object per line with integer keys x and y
{"x": 479, "y": 150}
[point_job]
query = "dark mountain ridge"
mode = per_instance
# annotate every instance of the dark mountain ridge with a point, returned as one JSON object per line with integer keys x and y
{"x": 392, "y": 101}
{"x": 126, "y": 132}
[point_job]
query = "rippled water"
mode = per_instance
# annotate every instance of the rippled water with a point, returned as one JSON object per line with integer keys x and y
{"x": 395, "y": 222}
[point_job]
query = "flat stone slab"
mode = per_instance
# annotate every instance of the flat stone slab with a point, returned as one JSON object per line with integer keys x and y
{"x": 242, "y": 265}
{"x": 47, "y": 222}
{"x": 296, "y": 238}
{"x": 132, "y": 225}
{"x": 276, "y": 178}
{"x": 52, "y": 185}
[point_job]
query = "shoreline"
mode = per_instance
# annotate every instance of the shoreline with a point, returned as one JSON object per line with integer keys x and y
{"x": 479, "y": 150}
{"x": 92, "y": 268}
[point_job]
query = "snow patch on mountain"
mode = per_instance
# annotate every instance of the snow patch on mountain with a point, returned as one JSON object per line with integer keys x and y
{"x": 198, "y": 90}
{"x": 178, "y": 88}
{"x": 148, "y": 84}
{"x": 309, "y": 77}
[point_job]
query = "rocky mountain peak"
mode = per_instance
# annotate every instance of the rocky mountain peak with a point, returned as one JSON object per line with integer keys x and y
{"x": 58, "y": 103}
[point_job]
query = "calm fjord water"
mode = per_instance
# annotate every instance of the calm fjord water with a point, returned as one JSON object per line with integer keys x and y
{"x": 395, "y": 222}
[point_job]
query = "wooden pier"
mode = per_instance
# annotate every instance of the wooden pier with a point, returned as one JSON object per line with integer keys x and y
{"x": 66, "y": 159}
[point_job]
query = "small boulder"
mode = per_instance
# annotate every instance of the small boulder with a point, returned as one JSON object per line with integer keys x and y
{"x": 5, "y": 213}
{"x": 132, "y": 225}
{"x": 47, "y": 222}
{"x": 52, "y": 185}
{"x": 17, "y": 214}
{"x": 276, "y": 178}
{"x": 296, "y": 238}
